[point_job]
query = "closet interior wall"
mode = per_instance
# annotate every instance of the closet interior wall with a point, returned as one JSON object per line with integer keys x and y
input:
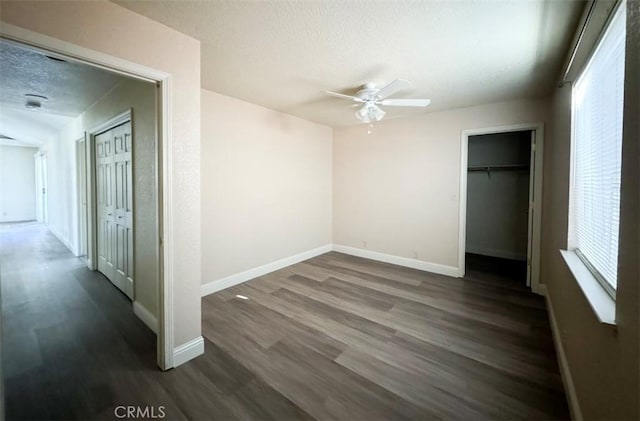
{"x": 498, "y": 195}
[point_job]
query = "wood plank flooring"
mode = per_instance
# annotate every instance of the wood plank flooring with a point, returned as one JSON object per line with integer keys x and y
{"x": 332, "y": 338}
{"x": 347, "y": 338}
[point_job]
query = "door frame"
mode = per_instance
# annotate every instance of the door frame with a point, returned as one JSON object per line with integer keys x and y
{"x": 42, "y": 188}
{"x": 535, "y": 174}
{"x": 82, "y": 208}
{"x": 37, "y": 161}
{"x": 44, "y": 172}
{"x": 163, "y": 82}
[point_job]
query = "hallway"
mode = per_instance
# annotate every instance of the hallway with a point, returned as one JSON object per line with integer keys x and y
{"x": 68, "y": 334}
{"x": 73, "y": 349}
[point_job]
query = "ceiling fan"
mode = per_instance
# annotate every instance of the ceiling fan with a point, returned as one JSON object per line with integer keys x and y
{"x": 371, "y": 97}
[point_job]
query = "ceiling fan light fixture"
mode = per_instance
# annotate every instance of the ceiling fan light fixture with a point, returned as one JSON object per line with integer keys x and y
{"x": 362, "y": 114}
{"x": 370, "y": 113}
{"x": 372, "y": 97}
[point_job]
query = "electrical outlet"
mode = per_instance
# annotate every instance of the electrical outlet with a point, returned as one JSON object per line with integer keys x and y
{"x": 415, "y": 254}
{"x": 364, "y": 244}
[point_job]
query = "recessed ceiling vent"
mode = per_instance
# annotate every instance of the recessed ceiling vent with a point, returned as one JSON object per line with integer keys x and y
{"x": 34, "y": 102}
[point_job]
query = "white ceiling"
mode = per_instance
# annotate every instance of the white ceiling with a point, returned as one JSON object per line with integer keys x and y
{"x": 282, "y": 54}
{"x": 28, "y": 128}
{"x": 70, "y": 87}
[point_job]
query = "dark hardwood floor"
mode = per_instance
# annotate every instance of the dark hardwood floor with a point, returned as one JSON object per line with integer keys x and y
{"x": 348, "y": 338}
{"x": 335, "y": 337}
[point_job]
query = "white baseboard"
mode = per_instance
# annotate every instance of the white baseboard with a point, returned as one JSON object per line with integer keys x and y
{"x": 188, "y": 351}
{"x": 567, "y": 380}
{"x": 397, "y": 260}
{"x": 238, "y": 278}
{"x": 18, "y": 220}
{"x": 63, "y": 240}
{"x": 145, "y": 315}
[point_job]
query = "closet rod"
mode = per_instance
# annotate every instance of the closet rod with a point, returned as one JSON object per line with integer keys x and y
{"x": 508, "y": 167}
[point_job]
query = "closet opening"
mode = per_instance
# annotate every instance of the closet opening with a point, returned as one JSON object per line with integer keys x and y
{"x": 499, "y": 219}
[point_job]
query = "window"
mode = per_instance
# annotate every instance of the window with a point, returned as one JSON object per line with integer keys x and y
{"x": 597, "y": 108}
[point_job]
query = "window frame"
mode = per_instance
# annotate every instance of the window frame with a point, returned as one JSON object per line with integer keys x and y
{"x": 571, "y": 241}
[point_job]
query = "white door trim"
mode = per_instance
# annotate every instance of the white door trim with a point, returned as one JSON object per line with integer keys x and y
{"x": 82, "y": 208}
{"x": 38, "y": 192}
{"x": 69, "y": 51}
{"x": 117, "y": 120}
{"x": 44, "y": 183}
{"x": 536, "y": 173}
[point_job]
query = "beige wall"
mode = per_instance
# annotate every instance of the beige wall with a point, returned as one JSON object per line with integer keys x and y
{"x": 266, "y": 186}
{"x": 603, "y": 360}
{"x": 110, "y": 29}
{"x": 397, "y": 189}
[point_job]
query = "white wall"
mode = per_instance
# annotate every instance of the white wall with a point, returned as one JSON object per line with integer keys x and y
{"x": 17, "y": 184}
{"x": 497, "y": 202}
{"x": 266, "y": 186}
{"x": 110, "y": 29}
{"x": 396, "y": 190}
{"x": 61, "y": 183}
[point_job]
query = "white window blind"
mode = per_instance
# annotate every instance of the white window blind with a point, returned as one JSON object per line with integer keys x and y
{"x": 597, "y": 154}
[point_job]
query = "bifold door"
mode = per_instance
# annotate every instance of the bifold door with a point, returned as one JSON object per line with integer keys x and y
{"x": 114, "y": 192}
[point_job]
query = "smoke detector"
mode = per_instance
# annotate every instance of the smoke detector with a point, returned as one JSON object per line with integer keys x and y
{"x": 34, "y": 102}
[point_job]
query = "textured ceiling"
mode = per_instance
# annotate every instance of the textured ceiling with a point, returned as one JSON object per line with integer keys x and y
{"x": 282, "y": 54}
{"x": 69, "y": 86}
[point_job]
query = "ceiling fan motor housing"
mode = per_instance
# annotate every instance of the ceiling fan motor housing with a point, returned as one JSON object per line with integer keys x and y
{"x": 368, "y": 92}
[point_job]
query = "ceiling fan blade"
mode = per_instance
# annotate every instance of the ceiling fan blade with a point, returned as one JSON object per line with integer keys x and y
{"x": 336, "y": 94}
{"x": 405, "y": 102}
{"x": 392, "y": 88}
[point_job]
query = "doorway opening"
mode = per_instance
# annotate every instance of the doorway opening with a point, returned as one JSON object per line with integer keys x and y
{"x": 500, "y": 194}
{"x": 66, "y": 190}
{"x": 41, "y": 187}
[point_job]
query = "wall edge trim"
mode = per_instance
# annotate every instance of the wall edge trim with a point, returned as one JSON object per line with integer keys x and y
{"x": 238, "y": 278}
{"x": 188, "y": 351}
{"x": 146, "y": 316}
{"x": 63, "y": 240}
{"x": 398, "y": 260}
{"x": 567, "y": 379}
